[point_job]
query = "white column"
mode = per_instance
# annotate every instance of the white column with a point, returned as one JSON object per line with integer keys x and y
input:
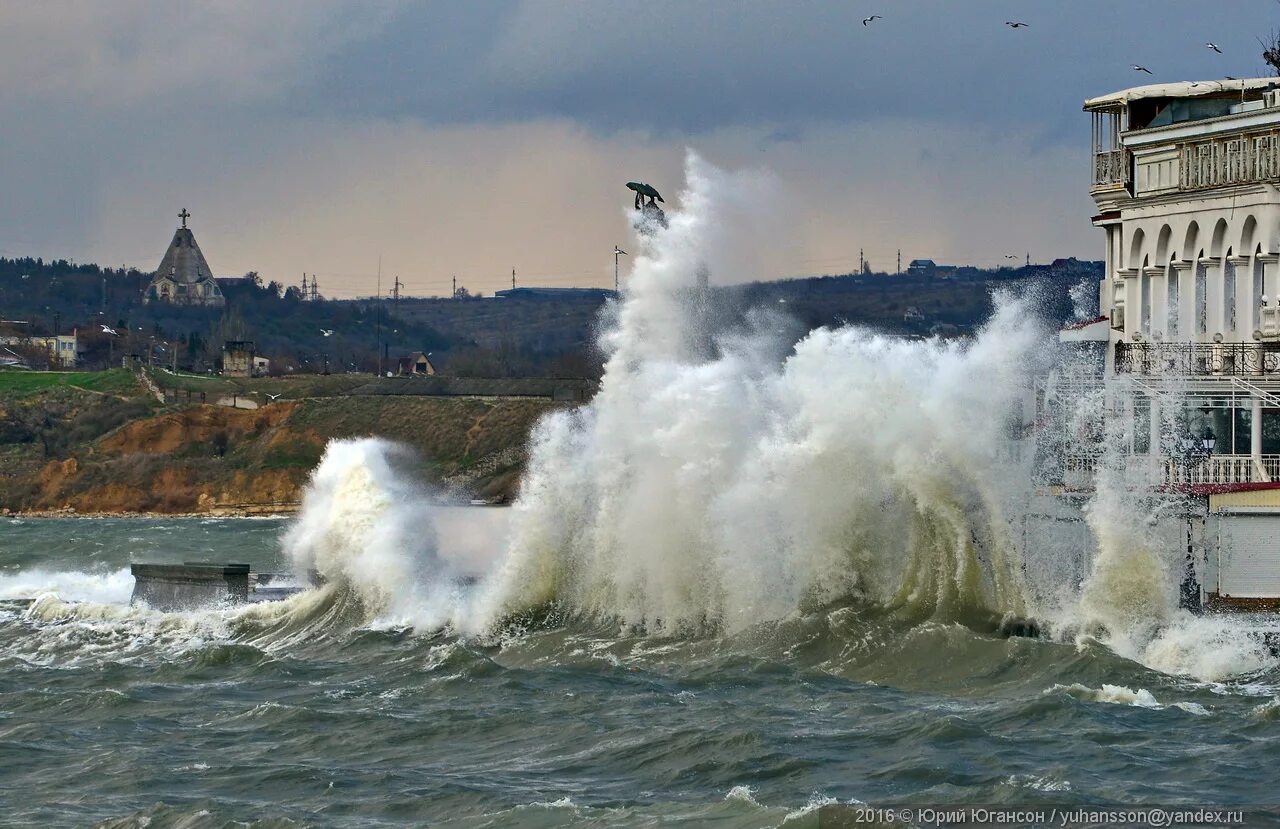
{"x": 1238, "y": 306}
{"x": 1155, "y": 449}
{"x": 1255, "y": 428}
{"x": 1213, "y": 298}
{"x": 1185, "y": 274}
{"x": 1128, "y": 296}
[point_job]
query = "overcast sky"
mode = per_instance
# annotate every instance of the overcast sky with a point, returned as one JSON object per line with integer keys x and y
{"x": 472, "y": 137}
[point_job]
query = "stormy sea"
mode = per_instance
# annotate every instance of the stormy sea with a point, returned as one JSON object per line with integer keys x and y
{"x": 754, "y": 577}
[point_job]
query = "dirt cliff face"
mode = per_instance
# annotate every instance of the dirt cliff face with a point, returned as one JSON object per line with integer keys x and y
{"x": 215, "y": 459}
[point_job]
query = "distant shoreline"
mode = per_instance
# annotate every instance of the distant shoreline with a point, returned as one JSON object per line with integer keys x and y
{"x": 275, "y": 511}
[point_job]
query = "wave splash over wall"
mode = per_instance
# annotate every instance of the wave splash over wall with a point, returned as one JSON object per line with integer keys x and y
{"x": 732, "y": 481}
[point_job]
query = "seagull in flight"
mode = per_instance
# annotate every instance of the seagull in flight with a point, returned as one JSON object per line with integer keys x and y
{"x": 1214, "y": 47}
{"x": 106, "y": 329}
{"x": 328, "y": 332}
{"x": 1015, "y": 24}
{"x": 274, "y": 396}
{"x": 617, "y": 251}
{"x": 866, "y": 21}
{"x": 1136, "y": 68}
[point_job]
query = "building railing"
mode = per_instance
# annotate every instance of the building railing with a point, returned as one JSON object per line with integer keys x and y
{"x": 1212, "y": 470}
{"x": 1190, "y": 359}
{"x": 1111, "y": 168}
{"x": 1226, "y": 161}
{"x": 1196, "y": 470}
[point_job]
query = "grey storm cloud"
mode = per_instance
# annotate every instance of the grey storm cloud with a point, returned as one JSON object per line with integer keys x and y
{"x": 692, "y": 67}
{"x": 473, "y": 137}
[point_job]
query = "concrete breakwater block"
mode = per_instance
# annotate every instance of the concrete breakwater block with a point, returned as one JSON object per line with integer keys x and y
{"x": 189, "y": 585}
{"x": 195, "y": 584}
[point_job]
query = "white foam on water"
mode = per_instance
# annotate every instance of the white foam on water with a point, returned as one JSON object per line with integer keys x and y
{"x": 1113, "y": 694}
{"x": 109, "y": 587}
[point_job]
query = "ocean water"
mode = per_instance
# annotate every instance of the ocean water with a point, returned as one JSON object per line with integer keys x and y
{"x": 312, "y": 716}
{"x": 755, "y": 576}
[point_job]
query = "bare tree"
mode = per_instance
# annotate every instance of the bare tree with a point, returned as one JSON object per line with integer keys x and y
{"x": 1271, "y": 50}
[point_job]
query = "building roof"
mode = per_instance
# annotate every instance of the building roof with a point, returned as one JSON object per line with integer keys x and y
{"x": 183, "y": 261}
{"x": 1179, "y": 89}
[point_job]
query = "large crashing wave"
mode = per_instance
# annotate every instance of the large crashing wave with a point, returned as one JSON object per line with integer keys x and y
{"x": 736, "y": 488}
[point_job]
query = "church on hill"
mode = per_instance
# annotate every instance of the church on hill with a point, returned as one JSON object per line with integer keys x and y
{"x": 183, "y": 277}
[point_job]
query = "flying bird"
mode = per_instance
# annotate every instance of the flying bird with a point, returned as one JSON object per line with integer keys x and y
{"x": 866, "y": 21}
{"x": 1014, "y": 24}
{"x": 619, "y": 251}
{"x": 328, "y": 332}
{"x": 1136, "y": 68}
{"x": 106, "y": 329}
{"x": 1214, "y": 47}
{"x": 274, "y": 396}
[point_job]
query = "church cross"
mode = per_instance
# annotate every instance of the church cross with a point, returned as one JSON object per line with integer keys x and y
{"x": 184, "y": 215}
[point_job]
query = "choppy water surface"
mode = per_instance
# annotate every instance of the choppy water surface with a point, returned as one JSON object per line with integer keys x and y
{"x": 309, "y": 717}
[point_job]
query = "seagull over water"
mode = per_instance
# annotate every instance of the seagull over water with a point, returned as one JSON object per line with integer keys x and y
{"x": 1214, "y": 47}
{"x": 328, "y": 332}
{"x": 866, "y": 21}
{"x": 1136, "y": 68}
{"x": 1014, "y": 24}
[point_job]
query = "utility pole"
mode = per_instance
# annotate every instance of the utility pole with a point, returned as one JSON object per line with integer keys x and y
{"x": 315, "y": 288}
{"x": 455, "y": 287}
{"x": 617, "y": 251}
{"x": 305, "y": 295}
{"x": 396, "y": 294}
{"x": 861, "y": 263}
{"x": 378, "y": 325}
{"x": 1028, "y": 259}
{"x": 899, "y": 262}
{"x": 513, "y": 279}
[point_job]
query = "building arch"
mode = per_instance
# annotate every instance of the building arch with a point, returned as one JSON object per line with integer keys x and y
{"x": 1162, "y": 244}
{"x": 1248, "y": 231}
{"x": 1135, "y": 247}
{"x": 1191, "y": 237}
{"x": 1218, "y": 239}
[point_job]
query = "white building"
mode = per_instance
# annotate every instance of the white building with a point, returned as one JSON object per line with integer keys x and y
{"x": 1186, "y": 177}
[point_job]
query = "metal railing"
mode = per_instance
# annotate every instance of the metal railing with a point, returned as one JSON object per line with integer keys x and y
{"x": 1190, "y": 359}
{"x": 1110, "y": 168}
{"x": 1226, "y": 161}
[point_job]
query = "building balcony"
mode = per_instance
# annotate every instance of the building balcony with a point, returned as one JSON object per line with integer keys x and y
{"x": 1198, "y": 359}
{"x": 1112, "y": 169}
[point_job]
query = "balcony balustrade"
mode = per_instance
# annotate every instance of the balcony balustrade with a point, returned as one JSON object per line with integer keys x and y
{"x": 1223, "y": 162}
{"x": 1198, "y": 359}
